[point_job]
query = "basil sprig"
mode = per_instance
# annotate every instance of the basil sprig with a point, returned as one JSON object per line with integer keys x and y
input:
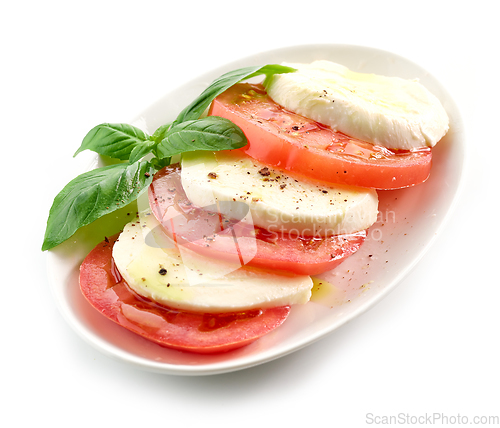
{"x": 101, "y": 191}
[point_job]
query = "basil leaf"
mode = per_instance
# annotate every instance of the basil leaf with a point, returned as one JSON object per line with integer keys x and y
{"x": 92, "y": 195}
{"x": 212, "y": 133}
{"x": 116, "y": 140}
{"x": 219, "y": 85}
{"x": 141, "y": 150}
{"x": 161, "y": 132}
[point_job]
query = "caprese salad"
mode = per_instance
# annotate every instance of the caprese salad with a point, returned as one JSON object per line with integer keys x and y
{"x": 253, "y": 189}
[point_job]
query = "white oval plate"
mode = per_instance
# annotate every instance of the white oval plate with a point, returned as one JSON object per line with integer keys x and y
{"x": 408, "y": 223}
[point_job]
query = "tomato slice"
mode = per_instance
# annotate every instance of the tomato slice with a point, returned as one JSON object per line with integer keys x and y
{"x": 292, "y": 142}
{"x": 104, "y": 288}
{"x": 217, "y": 236}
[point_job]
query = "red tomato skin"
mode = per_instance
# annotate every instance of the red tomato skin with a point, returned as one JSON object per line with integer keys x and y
{"x": 292, "y": 142}
{"x": 106, "y": 291}
{"x": 190, "y": 226}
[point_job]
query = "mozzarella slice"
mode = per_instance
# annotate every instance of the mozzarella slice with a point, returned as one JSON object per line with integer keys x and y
{"x": 275, "y": 200}
{"x": 388, "y": 111}
{"x": 155, "y": 268}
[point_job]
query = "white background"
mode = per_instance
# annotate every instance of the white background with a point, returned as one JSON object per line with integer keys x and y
{"x": 431, "y": 346}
